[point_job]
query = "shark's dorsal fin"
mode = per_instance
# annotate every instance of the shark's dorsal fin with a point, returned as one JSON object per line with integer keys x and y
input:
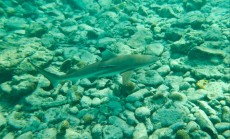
{"x": 107, "y": 55}
{"x": 126, "y": 77}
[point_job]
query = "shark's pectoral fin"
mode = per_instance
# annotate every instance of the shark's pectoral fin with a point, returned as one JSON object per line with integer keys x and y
{"x": 126, "y": 77}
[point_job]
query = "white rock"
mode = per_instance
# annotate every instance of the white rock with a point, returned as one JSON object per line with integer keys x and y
{"x": 136, "y": 95}
{"x": 27, "y": 135}
{"x": 140, "y": 132}
{"x": 96, "y": 101}
{"x": 86, "y": 101}
{"x": 111, "y": 131}
{"x": 142, "y": 112}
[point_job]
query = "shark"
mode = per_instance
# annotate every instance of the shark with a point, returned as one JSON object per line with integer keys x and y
{"x": 108, "y": 66}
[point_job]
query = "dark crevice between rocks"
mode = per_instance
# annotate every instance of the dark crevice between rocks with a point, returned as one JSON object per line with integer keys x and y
{"x": 5, "y": 76}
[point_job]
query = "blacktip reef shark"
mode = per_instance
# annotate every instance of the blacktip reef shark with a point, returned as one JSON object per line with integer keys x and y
{"x": 117, "y": 64}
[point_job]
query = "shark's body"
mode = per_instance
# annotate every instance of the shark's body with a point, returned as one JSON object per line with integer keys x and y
{"x": 104, "y": 68}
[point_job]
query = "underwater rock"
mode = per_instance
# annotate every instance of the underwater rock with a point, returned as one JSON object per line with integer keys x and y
{"x": 130, "y": 117}
{"x": 116, "y": 121}
{"x": 106, "y": 41}
{"x": 140, "y": 132}
{"x": 221, "y": 127}
{"x": 206, "y": 108}
{"x": 15, "y": 23}
{"x": 106, "y": 92}
{"x": 167, "y": 116}
{"x": 137, "y": 95}
{"x": 216, "y": 89}
{"x": 200, "y": 134}
{"x": 178, "y": 65}
{"x": 176, "y": 96}
{"x": 70, "y": 133}
{"x": 3, "y": 121}
{"x": 161, "y": 133}
{"x": 142, "y": 37}
{"x": 9, "y": 135}
{"x": 97, "y": 131}
{"x": 194, "y": 95}
{"x": 226, "y": 114}
{"x": 207, "y": 72}
{"x": 173, "y": 82}
{"x": 173, "y": 34}
{"x": 142, "y": 112}
{"x": 182, "y": 134}
{"x": 150, "y": 77}
{"x": 195, "y": 19}
{"x": 110, "y": 131}
{"x": 226, "y": 133}
{"x": 86, "y": 101}
{"x": 163, "y": 70}
{"x": 96, "y": 101}
{"x": 155, "y": 48}
{"x": 27, "y": 135}
{"x": 149, "y": 125}
{"x": 36, "y": 30}
{"x": 16, "y": 120}
{"x": 192, "y": 126}
{"x": 192, "y": 5}
{"x": 205, "y": 124}
{"x": 50, "y": 133}
{"x": 166, "y": 11}
{"x": 115, "y": 107}
{"x": 206, "y": 54}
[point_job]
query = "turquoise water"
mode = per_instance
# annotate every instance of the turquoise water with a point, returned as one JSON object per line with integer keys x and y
{"x": 114, "y": 69}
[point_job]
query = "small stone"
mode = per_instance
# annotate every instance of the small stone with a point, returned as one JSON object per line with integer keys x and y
{"x": 15, "y": 23}
{"x": 141, "y": 37}
{"x": 27, "y": 135}
{"x": 167, "y": 116}
{"x": 226, "y": 114}
{"x": 182, "y": 134}
{"x": 166, "y": 12}
{"x": 137, "y": 95}
{"x": 162, "y": 133}
{"x": 163, "y": 70}
{"x": 150, "y": 77}
{"x": 176, "y": 96}
{"x": 115, "y": 107}
{"x": 96, "y": 101}
{"x": 155, "y": 48}
{"x": 142, "y": 112}
{"x": 221, "y": 127}
{"x": 86, "y": 101}
{"x": 116, "y": 121}
{"x": 206, "y": 108}
{"x": 149, "y": 125}
{"x": 140, "y": 132}
{"x": 50, "y": 133}
{"x": 9, "y": 136}
{"x": 110, "y": 132}
{"x": 130, "y": 118}
{"x": 200, "y": 134}
{"x": 36, "y": 29}
{"x": 71, "y": 134}
{"x": 196, "y": 95}
{"x": 97, "y": 131}
{"x": 226, "y": 134}
{"x": 204, "y": 122}
{"x": 16, "y": 120}
{"x": 3, "y": 121}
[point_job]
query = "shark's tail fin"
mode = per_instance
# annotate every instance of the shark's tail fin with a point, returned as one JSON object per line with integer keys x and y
{"x": 54, "y": 79}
